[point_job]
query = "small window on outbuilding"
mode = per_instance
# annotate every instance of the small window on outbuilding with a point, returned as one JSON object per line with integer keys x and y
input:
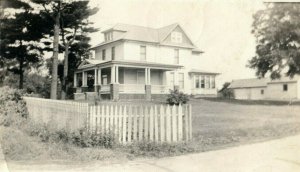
{"x": 285, "y": 87}
{"x": 262, "y": 91}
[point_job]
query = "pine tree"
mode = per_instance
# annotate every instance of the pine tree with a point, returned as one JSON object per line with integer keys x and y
{"x": 20, "y": 32}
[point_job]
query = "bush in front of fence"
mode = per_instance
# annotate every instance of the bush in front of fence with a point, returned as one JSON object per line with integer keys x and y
{"x": 13, "y": 109}
{"x": 176, "y": 97}
{"x": 80, "y": 138}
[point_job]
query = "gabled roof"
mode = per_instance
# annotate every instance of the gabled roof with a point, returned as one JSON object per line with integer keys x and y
{"x": 141, "y": 33}
{"x": 248, "y": 83}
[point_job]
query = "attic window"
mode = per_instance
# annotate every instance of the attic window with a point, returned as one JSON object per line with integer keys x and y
{"x": 176, "y": 37}
{"x": 109, "y": 36}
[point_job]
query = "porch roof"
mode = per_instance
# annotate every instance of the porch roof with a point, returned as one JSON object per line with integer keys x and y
{"x": 91, "y": 63}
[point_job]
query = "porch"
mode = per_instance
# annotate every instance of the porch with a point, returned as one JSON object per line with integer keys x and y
{"x": 122, "y": 81}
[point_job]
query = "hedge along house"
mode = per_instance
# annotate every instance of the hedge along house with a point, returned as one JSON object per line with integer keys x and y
{"x": 284, "y": 88}
{"x": 136, "y": 62}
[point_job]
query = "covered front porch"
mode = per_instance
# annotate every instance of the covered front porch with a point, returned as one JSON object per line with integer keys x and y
{"x": 122, "y": 80}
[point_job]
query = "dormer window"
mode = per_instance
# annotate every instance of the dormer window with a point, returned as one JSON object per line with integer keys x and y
{"x": 108, "y": 36}
{"x": 176, "y": 37}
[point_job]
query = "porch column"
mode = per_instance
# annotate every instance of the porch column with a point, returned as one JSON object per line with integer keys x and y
{"x": 117, "y": 74}
{"x": 95, "y": 80}
{"x": 84, "y": 82}
{"x": 113, "y": 75}
{"x": 147, "y": 84}
{"x": 149, "y": 76}
{"x": 99, "y": 76}
{"x": 114, "y": 86}
{"x": 146, "y": 80}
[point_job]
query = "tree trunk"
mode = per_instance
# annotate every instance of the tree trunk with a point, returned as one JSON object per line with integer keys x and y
{"x": 65, "y": 77}
{"x": 21, "y": 74}
{"x": 53, "y": 94}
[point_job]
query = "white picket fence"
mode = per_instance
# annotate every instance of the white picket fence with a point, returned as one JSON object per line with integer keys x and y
{"x": 142, "y": 123}
{"x": 127, "y": 123}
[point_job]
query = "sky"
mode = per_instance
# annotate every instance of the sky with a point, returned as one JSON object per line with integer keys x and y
{"x": 222, "y": 29}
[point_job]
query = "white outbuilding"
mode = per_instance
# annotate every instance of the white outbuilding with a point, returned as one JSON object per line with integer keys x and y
{"x": 284, "y": 88}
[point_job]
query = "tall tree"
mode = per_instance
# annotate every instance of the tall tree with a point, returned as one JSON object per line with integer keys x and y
{"x": 74, "y": 28}
{"x": 20, "y": 32}
{"x": 53, "y": 8}
{"x": 277, "y": 32}
{"x": 70, "y": 21}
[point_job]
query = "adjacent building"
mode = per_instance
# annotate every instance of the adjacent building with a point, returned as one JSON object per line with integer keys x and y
{"x": 284, "y": 88}
{"x": 143, "y": 63}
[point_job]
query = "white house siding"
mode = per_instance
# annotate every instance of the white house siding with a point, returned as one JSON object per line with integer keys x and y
{"x": 165, "y": 54}
{"x": 119, "y": 51}
{"x": 249, "y": 93}
{"x": 275, "y": 91}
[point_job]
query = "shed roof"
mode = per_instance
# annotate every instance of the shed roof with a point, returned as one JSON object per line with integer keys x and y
{"x": 248, "y": 83}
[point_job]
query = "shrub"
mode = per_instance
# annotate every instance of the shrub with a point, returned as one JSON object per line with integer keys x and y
{"x": 226, "y": 92}
{"x": 12, "y": 107}
{"x": 176, "y": 97}
{"x": 80, "y": 138}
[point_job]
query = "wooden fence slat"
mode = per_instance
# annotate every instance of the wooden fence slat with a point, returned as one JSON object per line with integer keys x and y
{"x": 124, "y": 124}
{"x": 174, "y": 123}
{"x": 162, "y": 123}
{"x": 99, "y": 119}
{"x": 190, "y": 122}
{"x": 115, "y": 121}
{"x": 102, "y": 119}
{"x": 146, "y": 126}
{"x": 120, "y": 123}
{"x": 111, "y": 119}
{"x": 180, "y": 122}
{"x": 151, "y": 124}
{"x": 135, "y": 125}
{"x": 107, "y": 119}
{"x": 168, "y": 124}
{"x": 155, "y": 124}
{"x": 186, "y": 123}
{"x": 129, "y": 123}
{"x": 141, "y": 121}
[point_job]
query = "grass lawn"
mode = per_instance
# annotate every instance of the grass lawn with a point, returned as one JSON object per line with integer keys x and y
{"x": 221, "y": 124}
{"x": 216, "y": 125}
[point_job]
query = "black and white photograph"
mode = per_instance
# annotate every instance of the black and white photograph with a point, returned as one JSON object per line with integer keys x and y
{"x": 149, "y": 86}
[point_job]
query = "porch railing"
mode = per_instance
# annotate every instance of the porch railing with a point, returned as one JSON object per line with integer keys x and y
{"x": 160, "y": 89}
{"x": 132, "y": 88}
{"x": 105, "y": 88}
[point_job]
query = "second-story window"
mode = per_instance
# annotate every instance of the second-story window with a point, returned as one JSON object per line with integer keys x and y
{"x": 143, "y": 53}
{"x": 103, "y": 54}
{"x": 112, "y": 53}
{"x": 176, "y": 56}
